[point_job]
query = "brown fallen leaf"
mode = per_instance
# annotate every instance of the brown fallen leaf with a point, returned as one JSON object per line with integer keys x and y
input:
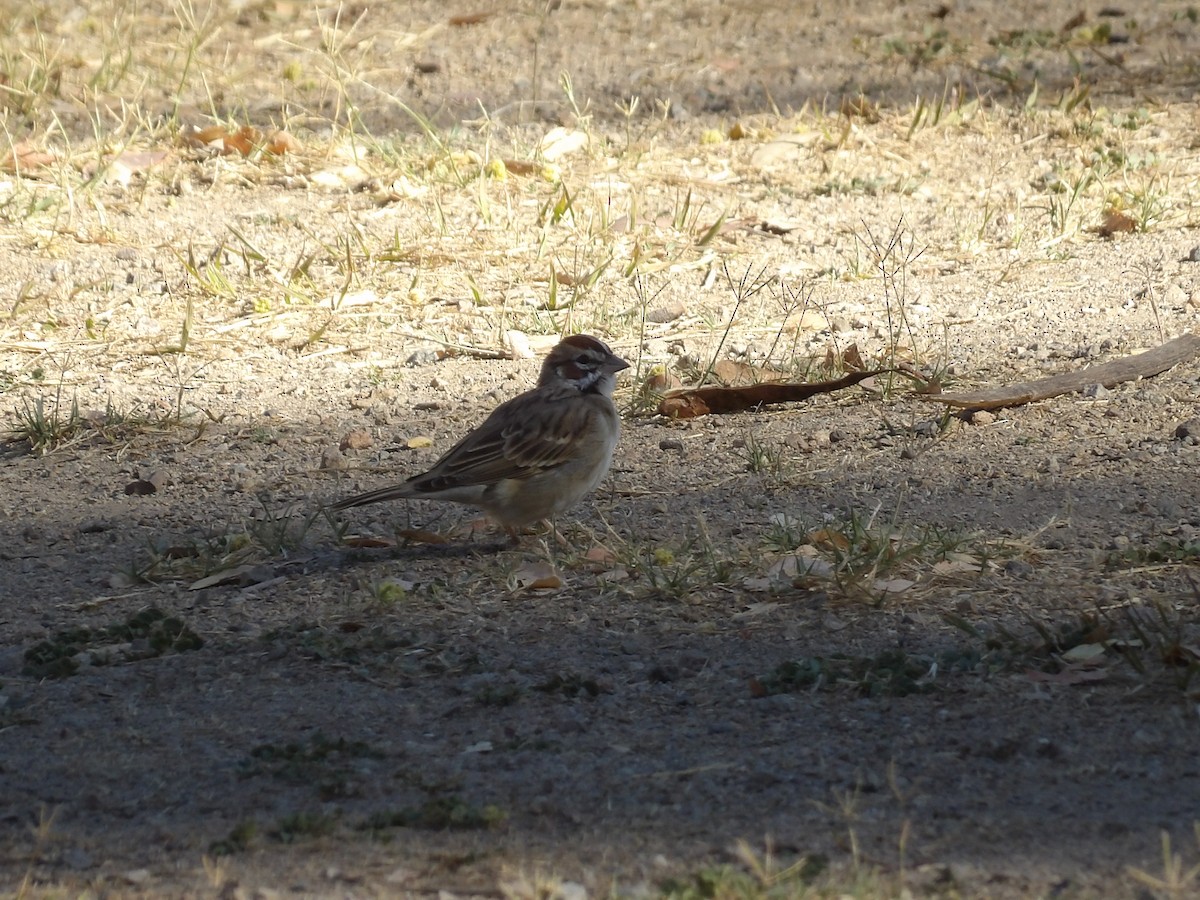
{"x": 598, "y": 554}
{"x": 521, "y": 167}
{"x": 469, "y": 19}
{"x": 536, "y": 576}
{"x": 420, "y": 536}
{"x": 280, "y": 142}
{"x": 664, "y": 314}
{"x": 692, "y": 402}
{"x": 244, "y": 141}
{"x": 1115, "y": 221}
{"x": 828, "y": 539}
{"x": 24, "y": 157}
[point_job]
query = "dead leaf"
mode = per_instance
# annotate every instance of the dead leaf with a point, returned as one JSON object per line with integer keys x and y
{"x": 280, "y": 142}
{"x": 601, "y": 555}
{"x": 535, "y": 576}
{"x": 804, "y": 563}
{"x": 1115, "y": 221}
{"x": 948, "y": 567}
{"x": 224, "y": 141}
{"x": 24, "y": 157}
{"x": 694, "y": 402}
{"x": 418, "y": 442}
{"x": 664, "y": 314}
{"x": 244, "y": 575}
{"x": 469, "y": 19}
{"x": 1074, "y": 22}
{"x": 518, "y": 344}
{"x": 520, "y": 167}
{"x": 828, "y": 539}
{"x": 560, "y": 142}
{"x": 1068, "y": 676}
{"x": 1085, "y": 654}
{"x": 660, "y": 382}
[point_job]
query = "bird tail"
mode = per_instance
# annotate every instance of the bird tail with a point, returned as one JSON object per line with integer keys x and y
{"x": 391, "y": 492}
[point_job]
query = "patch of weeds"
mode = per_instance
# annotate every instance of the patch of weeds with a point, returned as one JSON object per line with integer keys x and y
{"x": 438, "y": 814}
{"x": 389, "y": 591}
{"x": 1065, "y": 647}
{"x": 1176, "y": 881}
{"x": 377, "y": 647}
{"x": 892, "y": 673}
{"x": 144, "y": 635}
{"x": 1076, "y": 646}
{"x": 1158, "y": 630}
{"x": 267, "y": 536}
{"x": 1062, "y": 196}
{"x": 763, "y": 457}
{"x": 1165, "y": 551}
{"x": 498, "y": 695}
{"x": 46, "y": 425}
{"x": 238, "y": 840}
{"x": 934, "y": 43}
{"x": 1147, "y": 206}
{"x": 570, "y": 685}
{"x": 347, "y": 642}
{"x": 1023, "y": 40}
{"x": 674, "y": 572}
{"x": 759, "y": 876}
{"x": 892, "y": 256}
{"x": 858, "y": 552}
{"x": 302, "y": 825}
{"x": 320, "y": 761}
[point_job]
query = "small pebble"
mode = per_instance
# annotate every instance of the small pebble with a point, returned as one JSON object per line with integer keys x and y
{"x": 670, "y": 444}
{"x": 332, "y": 458}
{"x": 422, "y": 357}
{"x": 1188, "y": 429}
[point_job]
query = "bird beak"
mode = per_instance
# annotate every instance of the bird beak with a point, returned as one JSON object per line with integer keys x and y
{"x": 615, "y": 365}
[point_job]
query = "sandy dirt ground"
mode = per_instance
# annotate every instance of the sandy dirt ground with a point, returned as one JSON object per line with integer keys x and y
{"x": 927, "y": 654}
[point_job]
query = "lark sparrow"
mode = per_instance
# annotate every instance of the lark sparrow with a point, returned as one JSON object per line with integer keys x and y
{"x": 537, "y": 454}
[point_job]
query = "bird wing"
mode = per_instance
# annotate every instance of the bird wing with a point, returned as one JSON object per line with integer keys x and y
{"x": 522, "y": 437}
